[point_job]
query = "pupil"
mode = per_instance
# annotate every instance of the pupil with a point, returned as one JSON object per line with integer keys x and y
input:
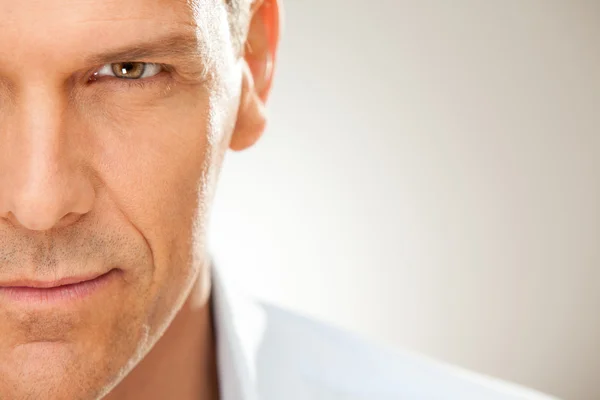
{"x": 126, "y": 68}
{"x": 132, "y": 70}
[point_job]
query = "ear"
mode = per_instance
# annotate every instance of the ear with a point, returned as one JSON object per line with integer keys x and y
{"x": 260, "y": 50}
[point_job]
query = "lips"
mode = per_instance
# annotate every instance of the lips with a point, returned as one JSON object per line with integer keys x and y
{"x": 62, "y": 292}
{"x": 32, "y": 283}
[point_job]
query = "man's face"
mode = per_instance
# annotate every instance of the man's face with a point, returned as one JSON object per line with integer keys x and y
{"x": 101, "y": 173}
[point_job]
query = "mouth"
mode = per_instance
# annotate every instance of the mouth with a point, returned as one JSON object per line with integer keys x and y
{"x": 68, "y": 289}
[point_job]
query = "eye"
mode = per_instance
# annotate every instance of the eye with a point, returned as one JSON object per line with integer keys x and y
{"x": 129, "y": 70}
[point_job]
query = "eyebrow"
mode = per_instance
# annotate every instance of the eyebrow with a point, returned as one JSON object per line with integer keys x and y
{"x": 180, "y": 46}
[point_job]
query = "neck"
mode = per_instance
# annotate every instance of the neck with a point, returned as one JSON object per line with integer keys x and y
{"x": 182, "y": 365}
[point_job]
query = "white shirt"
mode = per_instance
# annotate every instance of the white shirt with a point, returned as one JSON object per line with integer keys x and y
{"x": 266, "y": 353}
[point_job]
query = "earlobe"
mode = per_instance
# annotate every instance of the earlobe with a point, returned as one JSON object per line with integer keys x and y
{"x": 251, "y": 120}
{"x": 257, "y": 73}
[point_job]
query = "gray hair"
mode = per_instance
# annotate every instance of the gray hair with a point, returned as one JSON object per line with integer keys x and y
{"x": 239, "y": 11}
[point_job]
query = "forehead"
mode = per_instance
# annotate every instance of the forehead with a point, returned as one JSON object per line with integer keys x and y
{"x": 58, "y": 30}
{"x": 43, "y": 17}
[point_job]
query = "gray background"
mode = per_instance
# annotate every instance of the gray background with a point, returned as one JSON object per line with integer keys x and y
{"x": 430, "y": 179}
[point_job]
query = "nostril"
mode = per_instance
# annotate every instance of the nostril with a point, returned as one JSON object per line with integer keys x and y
{"x": 12, "y": 219}
{"x": 41, "y": 199}
{"x": 35, "y": 216}
{"x": 68, "y": 219}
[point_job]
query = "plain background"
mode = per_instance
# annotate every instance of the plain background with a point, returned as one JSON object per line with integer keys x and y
{"x": 430, "y": 179}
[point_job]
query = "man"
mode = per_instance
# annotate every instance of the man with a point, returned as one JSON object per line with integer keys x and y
{"x": 115, "y": 117}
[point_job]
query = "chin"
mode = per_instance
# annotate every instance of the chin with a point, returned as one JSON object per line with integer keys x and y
{"x": 59, "y": 370}
{"x": 47, "y": 370}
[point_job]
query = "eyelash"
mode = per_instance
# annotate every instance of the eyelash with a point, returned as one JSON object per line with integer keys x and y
{"x": 140, "y": 83}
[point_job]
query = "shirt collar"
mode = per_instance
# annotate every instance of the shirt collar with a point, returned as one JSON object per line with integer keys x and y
{"x": 239, "y": 327}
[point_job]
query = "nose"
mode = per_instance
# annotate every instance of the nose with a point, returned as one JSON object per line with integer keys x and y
{"x": 42, "y": 177}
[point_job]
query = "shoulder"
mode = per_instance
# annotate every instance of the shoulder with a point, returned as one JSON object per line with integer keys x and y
{"x": 312, "y": 360}
{"x": 268, "y": 353}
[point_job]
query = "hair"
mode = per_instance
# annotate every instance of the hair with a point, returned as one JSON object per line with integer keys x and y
{"x": 239, "y": 11}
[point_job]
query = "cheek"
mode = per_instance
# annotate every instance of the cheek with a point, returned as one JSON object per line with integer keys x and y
{"x": 151, "y": 155}
{"x": 153, "y": 158}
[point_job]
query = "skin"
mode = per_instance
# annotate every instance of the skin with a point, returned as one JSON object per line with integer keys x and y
{"x": 108, "y": 173}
